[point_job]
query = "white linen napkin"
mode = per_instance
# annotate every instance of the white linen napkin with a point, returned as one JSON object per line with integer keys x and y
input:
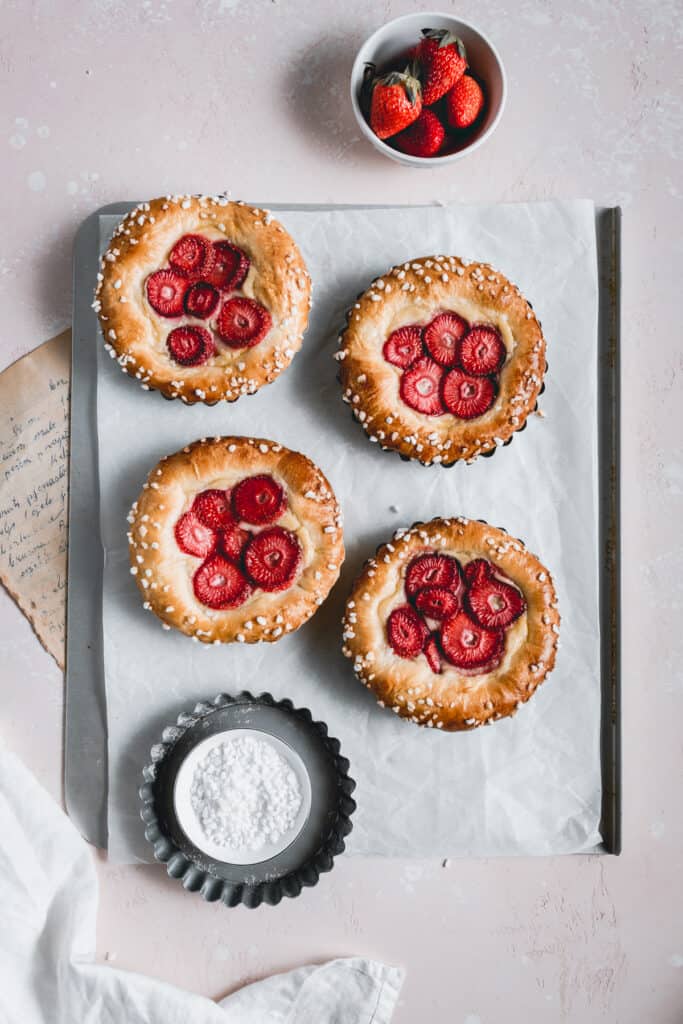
{"x": 48, "y": 895}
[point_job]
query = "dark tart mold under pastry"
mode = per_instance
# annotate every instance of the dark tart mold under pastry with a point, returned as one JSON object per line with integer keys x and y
{"x": 235, "y": 539}
{"x": 464, "y": 404}
{"x": 453, "y": 624}
{"x": 312, "y": 851}
{"x": 202, "y": 298}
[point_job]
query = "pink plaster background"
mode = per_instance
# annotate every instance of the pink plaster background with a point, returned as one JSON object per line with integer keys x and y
{"x": 107, "y": 100}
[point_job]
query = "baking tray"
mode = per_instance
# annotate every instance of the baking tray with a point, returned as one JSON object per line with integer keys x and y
{"x": 85, "y": 759}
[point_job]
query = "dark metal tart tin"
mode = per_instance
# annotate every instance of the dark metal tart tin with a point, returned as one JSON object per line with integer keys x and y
{"x": 313, "y": 849}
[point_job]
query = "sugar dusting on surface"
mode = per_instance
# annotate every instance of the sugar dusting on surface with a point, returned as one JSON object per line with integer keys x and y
{"x": 244, "y": 794}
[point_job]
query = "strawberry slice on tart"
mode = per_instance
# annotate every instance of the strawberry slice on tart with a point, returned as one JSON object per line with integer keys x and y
{"x": 465, "y": 396}
{"x": 442, "y": 336}
{"x": 232, "y": 542}
{"x": 201, "y": 300}
{"x": 166, "y": 292}
{"x": 406, "y": 631}
{"x": 190, "y": 345}
{"x": 432, "y": 570}
{"x": 272, "y": 558}
{"x": 403, "y": 346}
{"x": 476, "y": 569}
{"x": 220, "y": 583}
{"x": 192, "y": 256}
{"x": 258, "y": 500}
{"x": 432, "y": 653}
{"x": 213, "y": 507}
{"x": 193, "y": 537}
{"x": 420, "y": 387}
{"x": 494, "y": 603}
{"x": 437, "y": 602}
{"x": 467, "y": 644}
{"x": 481, "y": 350}
{"x": 243, "y": 322}
{"x": 230, "y": 267}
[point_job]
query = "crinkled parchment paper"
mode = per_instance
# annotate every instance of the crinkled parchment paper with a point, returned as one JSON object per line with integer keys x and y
{"x": 529, "y": 784}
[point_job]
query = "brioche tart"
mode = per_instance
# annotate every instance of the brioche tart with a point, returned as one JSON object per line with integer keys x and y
{"x": 235, "y": 539}
{"x": 453, "y": 624}
{"x": 441, "y": 360}
{"x": 201, "y": 298}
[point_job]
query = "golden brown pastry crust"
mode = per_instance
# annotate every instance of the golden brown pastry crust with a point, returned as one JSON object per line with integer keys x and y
{"x": 451, "y": 700}
{"x": 164, "y": 573}
{"x": 415, "y": 292}
{"x": 136, "y": 336}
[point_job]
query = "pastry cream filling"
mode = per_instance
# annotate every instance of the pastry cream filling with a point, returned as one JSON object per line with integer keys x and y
{"x": 421, "y": 314}
{"x": 289, "y": 520}
{"x": 393, "y": 594}
{"x": 225, "y": 357}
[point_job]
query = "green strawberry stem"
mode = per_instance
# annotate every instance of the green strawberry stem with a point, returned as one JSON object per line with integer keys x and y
{"x": 367, "y": 85}
{"x": 445, "y": 38}
{"x": 407, "y": 79}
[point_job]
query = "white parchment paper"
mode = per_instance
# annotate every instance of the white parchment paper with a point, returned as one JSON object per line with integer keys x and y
{"x": 529, "y": 784}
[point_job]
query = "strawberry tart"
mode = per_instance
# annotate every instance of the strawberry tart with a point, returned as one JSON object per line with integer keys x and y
{"x": 235, "y": 539}
{"x": 201, "y": 298}
{"x": 453, "y": 624}
{"x": 441, "y": 360}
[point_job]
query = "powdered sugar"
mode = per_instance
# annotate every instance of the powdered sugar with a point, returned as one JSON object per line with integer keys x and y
{"x": 244, "y": 794}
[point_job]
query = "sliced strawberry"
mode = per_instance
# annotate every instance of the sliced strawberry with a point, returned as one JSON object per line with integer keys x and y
{"x": 192, "y": 256}
{"x": 433, "y": 654}
{"x": 193, "y": 537}
{"x": 230, "y": 267}
{"x": 468, "y": 645}
{"x": 190, "y": 345}
{"x": 272, "y": 558}
{"x": 258, "y": 499}
{"x": 482, "y": 350}
{"x": 487, "y": 666}
{"x": 465, "y": 396}
{"x": 431, "y": 570}
{"x": 442, "y": 335}
{"x": 493, "y": 603}
{"x": 421, "y": 385}
{"x": 406, "y": 632}
{"x": 243, "y": 322}
{"x": 166, "y": 291}
{"x": 201, "y": 300}
{"x": 403, "y": 346}
{"x": 212, "y": 507}
{"x": 437, "y": 602}
{"x": 219, "y": 583}
{"x": 477, "y": 569}
{"x": 231, "y": 542}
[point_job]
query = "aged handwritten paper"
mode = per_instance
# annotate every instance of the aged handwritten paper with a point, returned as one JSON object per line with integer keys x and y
{"x": 34, "y": 463}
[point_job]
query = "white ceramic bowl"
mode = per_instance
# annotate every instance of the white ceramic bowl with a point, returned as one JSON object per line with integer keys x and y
{"x": 396, "y": 37}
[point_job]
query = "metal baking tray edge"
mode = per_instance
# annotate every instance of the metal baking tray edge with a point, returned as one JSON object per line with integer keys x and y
{"x": 85, "y": 728}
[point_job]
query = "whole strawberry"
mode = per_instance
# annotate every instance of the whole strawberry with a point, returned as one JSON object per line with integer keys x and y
{"x": 464, "y": 103}
{"x": 396, "y": 103}
{"x": 442, "y": 60}
{"x": 424, "y": 137}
